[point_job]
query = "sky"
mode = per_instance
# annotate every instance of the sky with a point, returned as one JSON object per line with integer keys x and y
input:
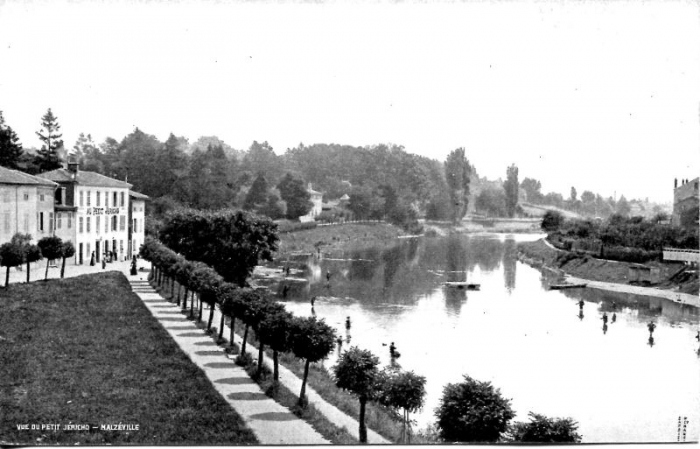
{"x": 598, "y": 95}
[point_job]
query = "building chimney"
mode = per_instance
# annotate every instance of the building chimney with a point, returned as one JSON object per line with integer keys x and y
{"x": 73, "y": 168}
{"x": 675, "y": 183}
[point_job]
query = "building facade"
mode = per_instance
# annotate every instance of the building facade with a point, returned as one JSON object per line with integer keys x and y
{"x": 685, "y": 197}
{"x": 93, "y": 211}
{"x": 26, "y": 205}
{"x": 137, "y": 222}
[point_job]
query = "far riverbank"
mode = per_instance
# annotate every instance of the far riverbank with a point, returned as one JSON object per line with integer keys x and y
{"x": 606, "y": 274}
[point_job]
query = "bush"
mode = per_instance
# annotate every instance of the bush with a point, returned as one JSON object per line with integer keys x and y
{"x": 472, "y": 411}
{"x": 541, "y": 429}
{"x": 552, "y": 221}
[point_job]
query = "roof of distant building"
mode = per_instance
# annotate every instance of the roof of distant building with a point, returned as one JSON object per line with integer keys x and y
{"x": 86, "y": 178}
{"x": 138, "y": 196}
{"x": 9, "y": 176}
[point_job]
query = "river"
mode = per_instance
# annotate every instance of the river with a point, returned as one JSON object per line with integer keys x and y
{"x": 538, "y": 346}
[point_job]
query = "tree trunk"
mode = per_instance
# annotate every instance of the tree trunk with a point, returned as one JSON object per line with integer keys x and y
{"x": 245, "y": 339}
{"x": 192, "y": 306}
{"x": 199, "y": 301}
{"x": 221, "y": 327}
{"x": 233, "y": 323}
{"x": 184, "y": 300}
{"x": 302, "y": 395}
{"x": 7, "y": 277}
{"x": 211, "y": 316}
{"x": 46, "y": 274}
{"x": 405, "y": 418}
{"x": 63, "y": 267}
{"x": 261, "y": 346}
{"x": 172, "y": 290}
{"x": 276, "y": 366}
{"x": 28, "y": 272}
{"x": 179, "y": 288}
{"x": 363, "y": 428}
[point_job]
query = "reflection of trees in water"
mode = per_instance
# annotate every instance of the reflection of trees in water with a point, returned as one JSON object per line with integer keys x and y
{"x": 486, "y": 253}
{"x": 392, "y": 258}
{"x": 509, "y": 264}
{"x": 646, "y": 306}
{"x": 455, "y": 259}
{"x": 454, "y": 298}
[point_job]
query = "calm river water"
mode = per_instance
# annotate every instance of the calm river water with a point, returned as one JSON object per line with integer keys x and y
{"x": 544, "y": 352}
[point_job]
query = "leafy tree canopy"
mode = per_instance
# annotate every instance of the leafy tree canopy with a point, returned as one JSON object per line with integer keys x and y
{"x": 542, "y": 429}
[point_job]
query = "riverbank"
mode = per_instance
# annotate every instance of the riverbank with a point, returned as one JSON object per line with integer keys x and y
{"x": 607, "y": 274}
{"x": 330, "y": 239}
{"x": 497, "y": 225}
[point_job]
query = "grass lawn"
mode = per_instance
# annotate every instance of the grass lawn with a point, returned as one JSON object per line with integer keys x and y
{"x": 85, "y": 350}
{"x": 337, "y": 238}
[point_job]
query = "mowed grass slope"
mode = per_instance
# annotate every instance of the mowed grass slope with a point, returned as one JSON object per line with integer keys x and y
{"x": 85, "y": 350}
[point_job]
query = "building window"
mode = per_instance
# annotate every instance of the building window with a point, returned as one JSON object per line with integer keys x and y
{"x": 25, "y": 196}
{"x": 106, "y": 221}
{"x": 41, "y": 197}
{"x": 114, "y": 200}
{"x": 106, "y": 199}
{"x": 122, "y": 222}
{"x": 97, "y": 198}
{"x": 87, "y": 253}
{"x": 41, "y": 221}
{"x": 97, "y": 224}
{"x": 81, "y": 198}
{"x": 87, "y": 225}
{"x": 58, "y": 220}
{"x": 114, "y": 221}
{"x": 6, "y": 219}
{"x": 135, "y": 225}
{"x": 51, "y": 223}
{"x": 121, "y": 246}
{"x": 88, "y": 198}
{"x": 80, "y": 225}
{"x": 121, "y": 200}
{"x": 70, "y": 220}
{"x": 26, "y": 223}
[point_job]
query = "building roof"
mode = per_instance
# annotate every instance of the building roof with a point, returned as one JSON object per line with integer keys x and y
{"x": 138, "y": 196}
{"x": 9, "y": 176}
{"x": 86, "y": 178}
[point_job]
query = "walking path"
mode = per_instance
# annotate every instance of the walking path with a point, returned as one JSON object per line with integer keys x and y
{"x": 270, "y": 422}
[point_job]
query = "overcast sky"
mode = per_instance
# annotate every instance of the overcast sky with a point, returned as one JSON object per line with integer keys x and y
{"x": 598, "y": 95}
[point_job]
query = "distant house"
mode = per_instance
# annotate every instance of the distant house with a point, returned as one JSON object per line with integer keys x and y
{"x": 317, "y": 201}
{"x": 685, "y": 197}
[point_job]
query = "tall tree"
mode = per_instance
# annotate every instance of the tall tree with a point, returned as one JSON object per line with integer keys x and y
{"x": 10, "y": 146}
{"x": 532, "y": 190}
{"x": 573, "y": 195}
{"x": 294, "y": 193}
{"x": 83, "y": 148}
{"x": 172, "y": 162}
{"x": 457, "y": 174}
{"x": 510, "y": 186}
{"x": 48, "y": 157}
{"x": 623, "y": 206}
{"x": 11, "y": 255}
{"x": 261, "y": 158}
{"x": 402, "y": 389}
{"x": 257, "y": 195}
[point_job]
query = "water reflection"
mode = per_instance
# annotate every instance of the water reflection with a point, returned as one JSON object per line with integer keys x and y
{"x": 514, "y": 332}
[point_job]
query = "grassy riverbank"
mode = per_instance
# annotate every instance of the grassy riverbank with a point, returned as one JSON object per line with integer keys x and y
{"x": 584, "y": 266}
{"x": 85, "y": 350}
{"x": 336, "y": 238}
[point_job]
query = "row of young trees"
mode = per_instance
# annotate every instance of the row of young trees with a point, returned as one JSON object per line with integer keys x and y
{"x": 309, "y": 339}
{"x": 19, "y": 250}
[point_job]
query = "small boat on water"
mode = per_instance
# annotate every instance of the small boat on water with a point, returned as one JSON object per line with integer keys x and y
{"x": 467, "y": 285}
{"x": 565, "y": 286}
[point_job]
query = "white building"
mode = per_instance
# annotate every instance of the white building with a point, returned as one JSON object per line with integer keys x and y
{"x": 92, "y": 210}
{"x": 137, "y": 222}
{"x": 317, "y": 205}
{"x": 26, "y": 205}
